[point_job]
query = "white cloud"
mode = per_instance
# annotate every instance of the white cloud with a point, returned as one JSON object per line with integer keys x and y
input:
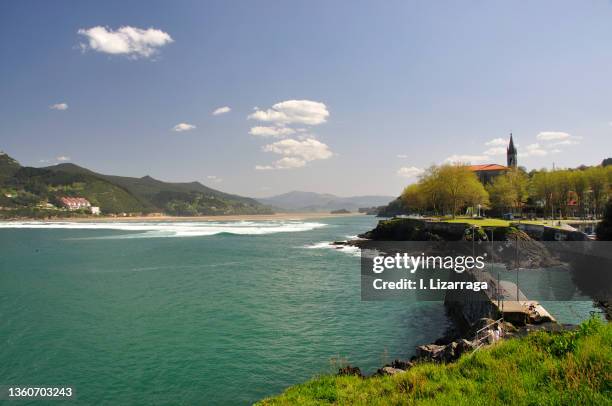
{"x": 63, "y": 158}
{"x": 59, "y": 106}
{"x": 305, "y": 112}
{"x": 308, "y": 149}
{"x": 296, "y": 153}
{"x": 183, "y": 127}
{"x": 534, "y": 150}
{"x": 283, "y": 163}
{"x": 214, "y": 178}
{"x": 558, "y": 138}
{"x": 552, "y": 136}
{"x": 289, "y": 162}
{"x": 221, "y": 110}
{"x": 402, "y": 156}
{"x": 132, "y": 41}
{"x": 467, "y": 158}
{"x": 409, "y": 171}
{"x": 571, "y": 141}
{"x": 495, "y": 151}
{"x": 271, "y": 131}
{"x": 497, "y": 142}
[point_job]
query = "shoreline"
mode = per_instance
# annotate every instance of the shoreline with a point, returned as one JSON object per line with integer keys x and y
{"x": 231, "y": 217}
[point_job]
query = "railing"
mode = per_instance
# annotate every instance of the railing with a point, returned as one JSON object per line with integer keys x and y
{"x": 480, "y": 341}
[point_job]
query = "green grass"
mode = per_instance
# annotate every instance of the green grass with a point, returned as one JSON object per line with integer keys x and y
{"x": 493, "y": 222}
{"x": 568, "y": 368}
{"x": 485, "y": 222}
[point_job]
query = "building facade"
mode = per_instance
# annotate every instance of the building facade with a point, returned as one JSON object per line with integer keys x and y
{"x": 487, "y": 172}
{"x": 75, "y": 203}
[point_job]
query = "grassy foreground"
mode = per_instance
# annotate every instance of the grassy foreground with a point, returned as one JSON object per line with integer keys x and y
{"x": 571, "y": 368}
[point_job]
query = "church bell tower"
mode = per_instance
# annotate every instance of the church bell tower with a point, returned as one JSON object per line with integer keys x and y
{"x": 511, "y": 153}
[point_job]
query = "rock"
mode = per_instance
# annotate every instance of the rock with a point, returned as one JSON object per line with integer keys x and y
{"x": 465, "y": 346}
{"x": 430, "y": 351}
{"x": 349, "y": 370}
{"x": 399, "y": 364}
{"x": 450, "y": 352}
{"x": 389, "y": 371}
{"x": 445, "y": 353}
{"x": 605, "y": 305}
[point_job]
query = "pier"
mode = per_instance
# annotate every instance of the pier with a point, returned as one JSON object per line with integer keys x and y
{"x": 500, "y": 300}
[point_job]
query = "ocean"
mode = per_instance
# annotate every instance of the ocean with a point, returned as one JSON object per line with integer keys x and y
{"x": 195, "y": 312}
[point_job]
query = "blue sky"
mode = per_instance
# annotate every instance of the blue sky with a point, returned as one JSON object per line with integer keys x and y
{"x": 348, "y": 93}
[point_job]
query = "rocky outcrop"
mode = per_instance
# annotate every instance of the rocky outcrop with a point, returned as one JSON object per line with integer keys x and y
{"x": 389, "y": 371}
{"x": 396, "y": 367}
{"x": 444, "y": 353}
{"x": 606, "y": 306}
{"x": 350, "y": 370}
{"x": 430, "y": 352}
{"x": 533, "y": 254}
{"x": 407, "y": 229}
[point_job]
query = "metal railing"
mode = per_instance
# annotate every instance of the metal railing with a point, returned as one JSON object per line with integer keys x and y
{"x": 480, "y": 341}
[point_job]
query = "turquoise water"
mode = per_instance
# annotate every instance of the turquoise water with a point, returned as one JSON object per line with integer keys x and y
{"x": 193, "y": 314}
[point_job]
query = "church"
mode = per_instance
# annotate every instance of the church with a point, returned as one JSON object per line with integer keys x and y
{"x": 487, "y": 172}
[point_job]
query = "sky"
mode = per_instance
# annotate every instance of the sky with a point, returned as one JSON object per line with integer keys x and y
{"x": 263, "y": 97}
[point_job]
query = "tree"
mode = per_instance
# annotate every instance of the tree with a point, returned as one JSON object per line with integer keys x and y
{"x": 445, "y": 189}
{"x": 433, "y": 189}
{"x": 580, "y": 185}
{"x": 501, "y": 193}
{"x": 509, "y": 191}
{"x": 599, "y": 184}
{"x": 460, "y": 186}
{"x": 541, "y": 189}
{"x": 561, "y": 186}
{"x": 414, "y": 198}
{"x": 519, "y": 183}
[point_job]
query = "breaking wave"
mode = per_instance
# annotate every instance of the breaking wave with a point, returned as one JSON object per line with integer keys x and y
{"x": 174, "y": 229}
{"x": 346, "y": 249}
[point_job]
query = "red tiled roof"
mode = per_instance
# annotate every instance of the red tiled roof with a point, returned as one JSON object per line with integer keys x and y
{"x": 487, "y": 167}
{"x": 74, "y": 201}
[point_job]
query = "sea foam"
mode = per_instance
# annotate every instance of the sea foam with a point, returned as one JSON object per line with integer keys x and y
{"x": 172, "y": 229}
{"x": 346, "y": 249}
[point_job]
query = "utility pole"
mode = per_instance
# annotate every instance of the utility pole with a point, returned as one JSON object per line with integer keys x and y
{"x": 517, "y": 269}
{"x": 498, "y": 281}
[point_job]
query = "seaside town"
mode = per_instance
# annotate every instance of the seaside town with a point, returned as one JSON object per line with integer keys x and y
{"x": 498, "y": 192}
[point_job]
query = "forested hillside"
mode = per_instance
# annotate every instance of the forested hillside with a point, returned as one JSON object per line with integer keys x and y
{"x": 35, "y": 192}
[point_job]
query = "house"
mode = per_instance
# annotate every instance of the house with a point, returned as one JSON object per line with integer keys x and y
{"x": 487, "y": 172}
{"x": 95, "y": 210}
{"x": 75, "y": 203}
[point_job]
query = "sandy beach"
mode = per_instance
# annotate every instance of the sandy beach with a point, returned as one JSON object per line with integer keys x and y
{"x": 241, "y": 217}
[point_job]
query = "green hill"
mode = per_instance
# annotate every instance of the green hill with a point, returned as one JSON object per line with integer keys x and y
{"x": 8, "y": 167}
{"x": 569, "y": 368}
{"x": 24, "y": 191}
{"x": 189, "y": 198}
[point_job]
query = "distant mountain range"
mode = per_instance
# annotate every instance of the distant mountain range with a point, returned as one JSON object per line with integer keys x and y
{"x": 25, "y": 188}
{"x": 322, "y": 202}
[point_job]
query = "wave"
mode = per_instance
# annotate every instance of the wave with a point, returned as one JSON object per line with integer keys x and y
{"x": 173, "y": 229}
{"x": 346, "y": 249}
